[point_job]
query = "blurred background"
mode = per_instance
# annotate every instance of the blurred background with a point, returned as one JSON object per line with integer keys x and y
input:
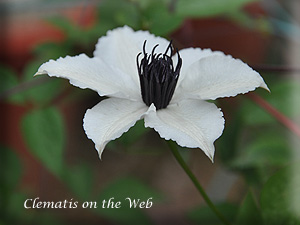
{"x": 45, "y": 153}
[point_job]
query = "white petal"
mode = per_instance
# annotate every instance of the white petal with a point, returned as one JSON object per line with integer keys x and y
{"x": 219, "y": 76}
{"x": 110, "y": 118}
{"x": 93, "y": 73}
{"x": 191, "y": 123}
{"x": 191, "y": 55}
{"x": 121, "y": 46}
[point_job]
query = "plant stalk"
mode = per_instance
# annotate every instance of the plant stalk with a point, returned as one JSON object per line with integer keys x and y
{"x": 173, "y": 147}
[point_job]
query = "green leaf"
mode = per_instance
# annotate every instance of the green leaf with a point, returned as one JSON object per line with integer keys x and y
{"x": 80, "y": 180}
{"x": 114, "y": 13}
{"x": 9, "y": 178}
{"x": 12, "y": 199}
{"x": 243, "y": 18}
{"x": 227, "y": 144}
{"x": 119, "y": 191}
{"x": 9, "y": 80}
{"x": 51, "y": 50}
{"x": 280, "y": 197}
{"x": 43, "y": 131}
{"x": 43, "y": 92}
{"x": 10, "y": 167}
{"x": 12, "y": 196}
{"x": 15, "y": 205}
{"x": 159, "y": 18}
{"x": 249, "y": 213}
{"x": 267, "y": 148}
{"x": 134, "y": 133}
{"x": 204, "y": 215}
{"x": 206, "y": 8}
{"x": 71, "y": 30}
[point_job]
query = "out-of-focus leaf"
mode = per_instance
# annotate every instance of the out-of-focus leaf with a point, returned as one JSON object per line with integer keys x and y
{"x": 204, "y": 215}
{"x": 43, "y": 131}
{"x": 71, "y": 30}
{"x": 248, "y": 213}
{"x": 15, "y": 205}
{"x": 134, "y": 133}
{"x": 228, "y": 143}
{"x": 245, "y": 19}
{"x": 114, "y": 13}
{"x": 43, "y": 92}
{"x": 127, "y": 188}
{"x": 160, "y": 18}
{"x": 12, "y": 197}
{"x": 205, "y": 8}
{"x": 51, "y": 50}
{"x": 80, "y": 180}
{"x": 155, "y": 16}
{"x": 9, "y": 80}
{"x": 267, "y": 148}
{"x": 9, "y": 177}
{"x": 280, "y": 197}
{"x": 75, "y": 34}
{"x": 284, "y": 96}
{"x": 11, "y": 203}
{"x": 10, "y": 169}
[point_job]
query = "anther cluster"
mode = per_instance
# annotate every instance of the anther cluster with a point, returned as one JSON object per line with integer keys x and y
{"x": 158, "y": 77}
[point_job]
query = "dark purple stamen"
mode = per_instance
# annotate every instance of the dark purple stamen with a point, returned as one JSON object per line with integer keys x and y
{"x": 158, "y": 77}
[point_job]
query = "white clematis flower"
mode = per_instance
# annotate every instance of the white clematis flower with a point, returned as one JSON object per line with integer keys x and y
{"x": 143, "y": 80}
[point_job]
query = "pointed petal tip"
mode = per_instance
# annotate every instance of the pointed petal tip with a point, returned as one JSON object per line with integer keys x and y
{"x": 100, "y": 156}
{"x": 40, "y": 73}
{"x": 264, "y": 86}
{"x": 99, "y": 151}
{"x": 210, "y": 156}
{"x": 209, "y": 152}
{"x": 152, "y": 108}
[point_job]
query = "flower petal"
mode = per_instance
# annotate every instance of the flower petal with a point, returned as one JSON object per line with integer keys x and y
{"x": 93, "y": 73}
{"x": 191, "y": 123}
{"x": 191, "y": 55}
{"x": 121, "y": 46}
{"x": 110, "y": 118}
{"x": 219, "y": 76}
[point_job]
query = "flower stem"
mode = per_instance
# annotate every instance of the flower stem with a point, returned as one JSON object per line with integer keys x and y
{"x": 187, "y": 170}
{"x": 23, "y": 87}
{"x": 288, "y": 123}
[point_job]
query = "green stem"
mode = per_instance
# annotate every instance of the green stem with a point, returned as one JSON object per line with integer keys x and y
{"x": 185, "y": 167}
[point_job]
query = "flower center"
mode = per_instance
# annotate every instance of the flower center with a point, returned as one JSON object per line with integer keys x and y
{"x": 158, "y": 77}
